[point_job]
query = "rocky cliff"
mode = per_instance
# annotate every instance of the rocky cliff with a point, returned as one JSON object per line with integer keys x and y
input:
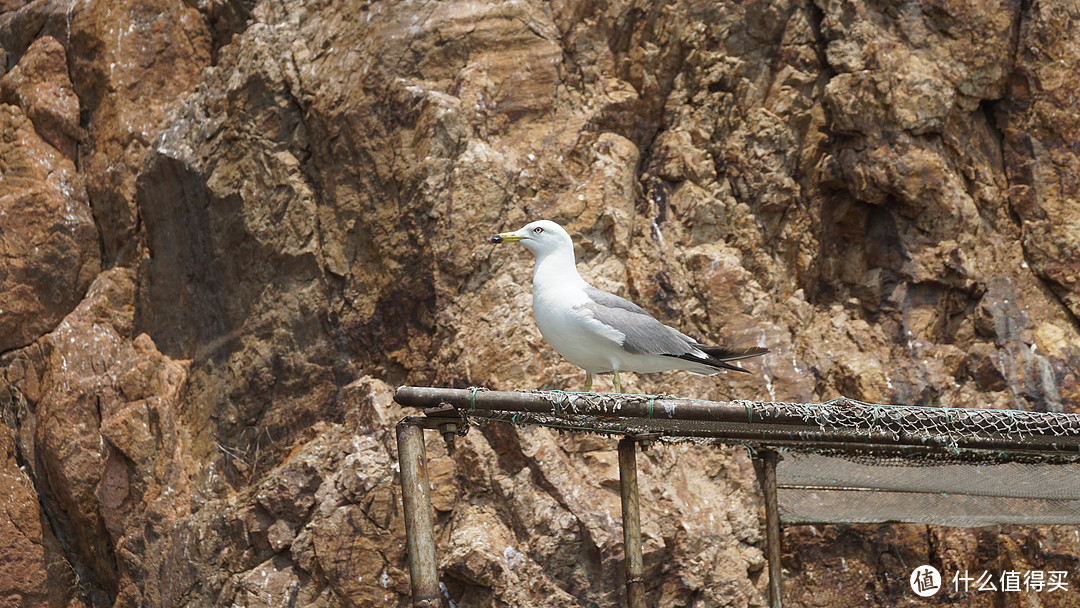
{"x": 228, "y": 228}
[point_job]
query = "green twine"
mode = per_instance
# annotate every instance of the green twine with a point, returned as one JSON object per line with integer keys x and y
{"x": 558, "y": 401}
{"x": 472, "y": 399}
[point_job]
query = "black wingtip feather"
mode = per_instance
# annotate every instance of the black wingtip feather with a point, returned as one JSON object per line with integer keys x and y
{"x": 718, "y": 356}
{"x": 722, "y": 353}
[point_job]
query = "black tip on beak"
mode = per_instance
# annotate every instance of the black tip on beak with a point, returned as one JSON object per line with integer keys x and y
{"x": 496, "y": 239}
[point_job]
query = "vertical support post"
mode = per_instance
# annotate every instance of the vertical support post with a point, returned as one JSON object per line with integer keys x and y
{"x": 772, "y": 527}
{"x": 628, "y": 486}
{"x": 419, "y": 524}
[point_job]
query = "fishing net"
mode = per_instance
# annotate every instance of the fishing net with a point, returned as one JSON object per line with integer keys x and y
{"x": 843, "y": 461}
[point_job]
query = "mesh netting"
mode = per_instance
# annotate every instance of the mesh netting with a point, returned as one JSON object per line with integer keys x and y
{"x": 845, "y": 461}
{"x": 807, "y": 506}
{"x": 950, "y": 423}
{"x": 842, "y": 424}
{"x": 842, "y": 488}
{"x": 1012, "y": 479}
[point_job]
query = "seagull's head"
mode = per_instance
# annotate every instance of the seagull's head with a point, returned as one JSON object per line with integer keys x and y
{"x": 542, "y": 237}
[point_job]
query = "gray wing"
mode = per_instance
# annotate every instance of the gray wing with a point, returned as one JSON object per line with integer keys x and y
{"x": 644, "y": 334}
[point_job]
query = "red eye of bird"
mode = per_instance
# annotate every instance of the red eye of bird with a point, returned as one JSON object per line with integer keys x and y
{"x": 538, "y": 230}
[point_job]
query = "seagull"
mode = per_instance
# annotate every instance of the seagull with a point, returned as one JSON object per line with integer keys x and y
{"x": 601, "y": 332}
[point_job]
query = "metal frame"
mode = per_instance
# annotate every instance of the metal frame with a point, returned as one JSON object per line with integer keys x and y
{"x": 420, "y": 525}
{"x": 640, "y": 419}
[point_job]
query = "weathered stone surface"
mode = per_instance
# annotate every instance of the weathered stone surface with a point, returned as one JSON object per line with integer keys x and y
{"x": 293, "y": 200}
{"x": 134, "y": 59}
{"x": 1040, "y": 146}
{"x": 33, "y": 569}
{"x": 39, "y": 84}
{"x": 48, "y": 241}
{"x": 101, "y": 426}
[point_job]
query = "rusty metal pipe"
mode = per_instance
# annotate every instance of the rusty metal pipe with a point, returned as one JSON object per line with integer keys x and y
{"x": 628, "y": 488}
{"x": 772, "y": 527}
{"x": 647, "y": 406}
{"x": 745, "y": 415}
{"x": 419, "y": 523}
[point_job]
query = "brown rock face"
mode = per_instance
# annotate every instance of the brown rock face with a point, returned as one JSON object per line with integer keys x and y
{"x": 33, "y": 570}
{"x": 48, "y": 241}
{"x": 135, "y": 58}
{"x": 39, "y": 85}
{"x": 290, "y": 204}
{"x": 1040, "y": 147}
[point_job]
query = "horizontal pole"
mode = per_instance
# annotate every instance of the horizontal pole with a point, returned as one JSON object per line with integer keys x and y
{"x": 648, "y": 406}
{"x": 750, "y": 421}
{"x": 846, "y": 440}
{"x": 631, "y": 406}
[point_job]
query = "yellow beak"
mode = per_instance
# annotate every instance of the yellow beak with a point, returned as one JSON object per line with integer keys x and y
{"x": 507, "y": 237}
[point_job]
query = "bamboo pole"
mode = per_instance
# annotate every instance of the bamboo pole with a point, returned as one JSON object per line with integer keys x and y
{"x": 628, "y": 486}
{"x": 419, "y": 524}
{"x": 772, "y": 527}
